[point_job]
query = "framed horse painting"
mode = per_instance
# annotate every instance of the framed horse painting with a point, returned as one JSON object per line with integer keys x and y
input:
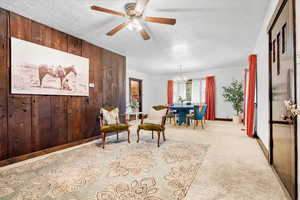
{"x": 40, "y": 70}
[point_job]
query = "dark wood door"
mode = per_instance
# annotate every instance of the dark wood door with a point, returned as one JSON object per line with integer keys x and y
{"x": 282, "y": 88}
{"x": 136, "y": 91}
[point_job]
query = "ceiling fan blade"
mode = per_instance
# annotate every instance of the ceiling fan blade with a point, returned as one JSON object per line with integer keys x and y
{"x": 97, "y": 8}
{"x": 140, "y": 7}
{"x": 160, "y": 20}
{"x": 117, "y": 29}
{"x": 144, "y": 34}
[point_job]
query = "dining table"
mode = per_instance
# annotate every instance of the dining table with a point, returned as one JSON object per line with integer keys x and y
{"x": 182, "y": 111}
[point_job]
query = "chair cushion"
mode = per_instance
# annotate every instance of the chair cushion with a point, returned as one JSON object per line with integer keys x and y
{"x": 151, "y": 127}
{"x": 114, "y": 127}
{"x": 155, "y": 116}
{"x": 110, "y": 116}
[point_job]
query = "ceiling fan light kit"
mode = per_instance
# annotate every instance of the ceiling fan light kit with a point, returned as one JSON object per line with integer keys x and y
{"x": 134, "y": 12}
{"x": 134, "y": 25}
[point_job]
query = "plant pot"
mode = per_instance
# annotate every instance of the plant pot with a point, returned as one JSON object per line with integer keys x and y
{"x": 134, "y": 110}
{"x": 237, "y": 119}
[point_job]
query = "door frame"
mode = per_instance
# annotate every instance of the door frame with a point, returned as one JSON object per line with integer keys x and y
{"x": 280, "y": 6}
{"x": 140, "y": 91}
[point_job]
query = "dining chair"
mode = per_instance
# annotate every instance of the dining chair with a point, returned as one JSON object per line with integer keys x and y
{"x": 198, "y": 115}
{"x": 171, "y": 116}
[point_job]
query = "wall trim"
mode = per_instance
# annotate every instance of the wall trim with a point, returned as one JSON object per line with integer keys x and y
{"x": 263, "y": 148}
{"x": 223, "y": 119}
{"x": 45, "y": 151}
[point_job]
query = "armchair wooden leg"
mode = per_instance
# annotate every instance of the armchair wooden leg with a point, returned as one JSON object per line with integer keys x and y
{"x": 202, "y": 124}
{"x": 138, "y": 136}
{"x": 187, "y": 122}
{"x": 174, "y": 121}
{"x": 103, "y": 139}
{"x": 128, "y": 131}
{"x": 152, "y": 135}
{"x": 194, "y": 124}
{"x": 117, "y": 135}
{"x": 164, "y": 137}
{"x": 158, "y": 138}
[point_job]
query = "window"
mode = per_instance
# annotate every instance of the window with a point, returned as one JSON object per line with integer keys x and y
{"x": 192, "y": 91}
{"x": 189, "y": 91}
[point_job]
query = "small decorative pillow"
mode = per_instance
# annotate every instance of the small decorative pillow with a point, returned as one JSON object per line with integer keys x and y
{"x": 155, "y": 116}
{"x": 110, "y": 117}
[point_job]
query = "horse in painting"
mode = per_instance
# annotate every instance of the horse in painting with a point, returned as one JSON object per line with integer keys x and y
{"x": 56, "y": 72}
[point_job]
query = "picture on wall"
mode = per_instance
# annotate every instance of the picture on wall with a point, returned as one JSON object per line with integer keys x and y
{"x": 40, "y": 70}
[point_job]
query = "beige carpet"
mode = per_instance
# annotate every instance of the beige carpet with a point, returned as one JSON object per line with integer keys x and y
{"x": 219, "y": 162}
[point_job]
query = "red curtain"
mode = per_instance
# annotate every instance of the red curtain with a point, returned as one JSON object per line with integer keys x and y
{"x": 210, "y": 93}
{"x": 170, "y": 92}
{"x": 245, "y": 95}
{"x": 251, "y": 94}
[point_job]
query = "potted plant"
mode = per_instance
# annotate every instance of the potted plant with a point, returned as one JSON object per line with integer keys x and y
{"x": 235, "y": 95}
{"x": 181, "y": 99}
{"x": 134, "y": 105}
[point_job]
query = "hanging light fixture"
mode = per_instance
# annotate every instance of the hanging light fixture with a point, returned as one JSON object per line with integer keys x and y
{"x": 181, "y": 78}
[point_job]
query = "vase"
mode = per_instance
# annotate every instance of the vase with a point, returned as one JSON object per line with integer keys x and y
{"x": 237, "y": 119}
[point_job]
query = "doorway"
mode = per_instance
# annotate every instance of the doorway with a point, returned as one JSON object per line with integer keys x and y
{"x": 136, "y": 92}
{"x": 282, "y": 70}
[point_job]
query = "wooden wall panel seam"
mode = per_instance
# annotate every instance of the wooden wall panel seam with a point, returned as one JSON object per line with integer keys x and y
{"x": 35, "y": 137}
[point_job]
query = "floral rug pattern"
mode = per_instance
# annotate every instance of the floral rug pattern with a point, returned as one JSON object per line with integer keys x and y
{"x": 121, "y": 171}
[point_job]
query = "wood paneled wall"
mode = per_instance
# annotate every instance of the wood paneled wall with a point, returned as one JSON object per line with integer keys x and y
{"x": 30, "y": 123}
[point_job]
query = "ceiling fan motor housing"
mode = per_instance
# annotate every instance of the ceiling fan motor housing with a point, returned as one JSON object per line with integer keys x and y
{"x": 130, "y": 9}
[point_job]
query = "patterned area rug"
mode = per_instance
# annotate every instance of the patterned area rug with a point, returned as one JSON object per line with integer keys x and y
{"x": 120, "y": 172}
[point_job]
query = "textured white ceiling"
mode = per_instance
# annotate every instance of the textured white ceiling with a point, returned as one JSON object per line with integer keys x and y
{"x": 208, "y": 33}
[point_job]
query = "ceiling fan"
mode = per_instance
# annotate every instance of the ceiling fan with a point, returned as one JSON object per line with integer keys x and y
{"x": 134, "y": 12}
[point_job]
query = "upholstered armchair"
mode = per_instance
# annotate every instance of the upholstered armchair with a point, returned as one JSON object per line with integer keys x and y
{"x": 110, "y": 122}
{"x": 198, "y": 115}
{"x": 155, "y": 122}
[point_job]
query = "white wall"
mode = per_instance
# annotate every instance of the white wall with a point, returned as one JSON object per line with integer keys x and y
{"x": 153, "y": 88}
{"x": 223, "y": 77}
{"x": 261, "y": 49}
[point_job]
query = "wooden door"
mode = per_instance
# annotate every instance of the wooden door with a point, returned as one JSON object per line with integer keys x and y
{"x": 136, "y": 91}
{"x": 283, "y": 88}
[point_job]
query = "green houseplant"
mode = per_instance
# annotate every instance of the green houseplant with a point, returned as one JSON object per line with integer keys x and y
{"x": 134, "y": 105}
{"x": 235, "y": 95}
{"x": 181, "y": 99}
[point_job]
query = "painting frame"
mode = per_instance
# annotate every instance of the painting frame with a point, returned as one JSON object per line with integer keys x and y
{"x": 40, "y": 70}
